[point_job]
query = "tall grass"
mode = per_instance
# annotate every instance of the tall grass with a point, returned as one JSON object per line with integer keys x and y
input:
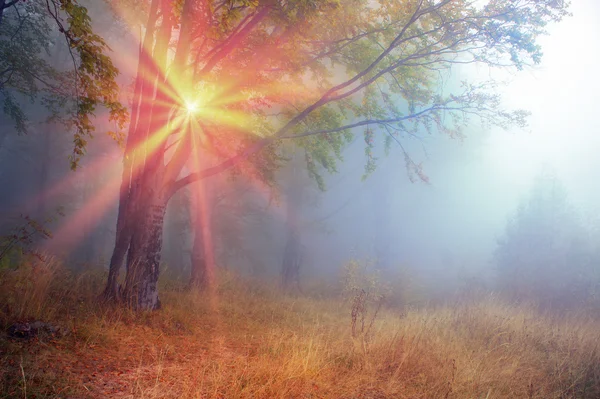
{"x": 248, "y": 340}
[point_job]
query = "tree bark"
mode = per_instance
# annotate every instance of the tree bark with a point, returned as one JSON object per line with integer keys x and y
{"x": 111, "y": 291}
{"x": 143, "y": 261}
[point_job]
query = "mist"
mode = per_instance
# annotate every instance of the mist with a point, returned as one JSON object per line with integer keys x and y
{"x": 268, "y": 214}
{"x": 439, "y": 217}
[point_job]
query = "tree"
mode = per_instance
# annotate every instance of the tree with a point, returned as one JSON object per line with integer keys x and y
{"x": 295, "y": 189}
{"x": 265, "y": 71}
{"x": 203, "y": 248}
{"x": 28, "y": 31}
{"x": 178, "y": 231}
{"x": 545, "y": 250}
{"x": 231, "y": 225}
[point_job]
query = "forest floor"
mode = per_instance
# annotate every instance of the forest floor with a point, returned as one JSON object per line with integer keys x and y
{"x": 247, "y": 341}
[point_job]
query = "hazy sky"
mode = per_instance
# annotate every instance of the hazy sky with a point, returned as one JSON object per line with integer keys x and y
{"x": 483, "y": 180}
{"x": 563, "y": 95}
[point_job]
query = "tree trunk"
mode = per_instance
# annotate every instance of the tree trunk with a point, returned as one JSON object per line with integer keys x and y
{"x": 89, "y": 255}
{"x": 126, "y": 214}
{"x": 176, "y": 232}
{"x": 203, "y": 263}
{"x": 111, "y": 291}
{"x": 292, "y": 260}
{"x": 143, "y": 261}
{"x": 45, "y": 167}
{"x": 292, "y": 255}
{"x": 381, "y": 196}
{"x": 142, "y": 92}
{"x": 199, "y": 272}
{"x": 147, "y": 183}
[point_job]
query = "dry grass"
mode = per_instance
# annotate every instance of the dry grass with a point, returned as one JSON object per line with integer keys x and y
{"x": 247, "y": 341}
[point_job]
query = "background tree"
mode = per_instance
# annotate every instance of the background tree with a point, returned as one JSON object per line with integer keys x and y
{"x": 178, "y": 233}
{"x": 296, "y": 186}
{"x": 545, "y": 252}
{"x": 240, "y": 229}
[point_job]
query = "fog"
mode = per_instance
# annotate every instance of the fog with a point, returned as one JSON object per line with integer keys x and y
{"x": 442, "y": 228}
{"x": 476, "y": 184}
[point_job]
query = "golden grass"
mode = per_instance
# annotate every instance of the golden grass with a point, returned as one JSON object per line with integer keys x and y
{"x": 249, "y": 341}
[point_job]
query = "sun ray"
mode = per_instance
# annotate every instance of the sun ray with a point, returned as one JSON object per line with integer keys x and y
{"x": 168, "y": 104}
{"x": 77, "y": 227}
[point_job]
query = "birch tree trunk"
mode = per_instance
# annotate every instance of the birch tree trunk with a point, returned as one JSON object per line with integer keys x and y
{"x": 141, "y": 281}
{"x": 142, "y": 197}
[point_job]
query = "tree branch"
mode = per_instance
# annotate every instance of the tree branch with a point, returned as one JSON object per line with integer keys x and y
{"x": 224, "y": 42}
{"x": 182, "y": 153}
{"x": 452, "y": 34}
{"x": 223, "y": 166}
{"x": 229, "y": 163}
{"x": 231, "y": 44}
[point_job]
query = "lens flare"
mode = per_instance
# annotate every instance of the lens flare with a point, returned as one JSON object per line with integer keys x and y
{"x": 191, "y": 107}
{"x": 216, "y": 115}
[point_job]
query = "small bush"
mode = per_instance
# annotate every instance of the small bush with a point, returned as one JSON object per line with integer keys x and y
{"x": 366, "y": 292}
